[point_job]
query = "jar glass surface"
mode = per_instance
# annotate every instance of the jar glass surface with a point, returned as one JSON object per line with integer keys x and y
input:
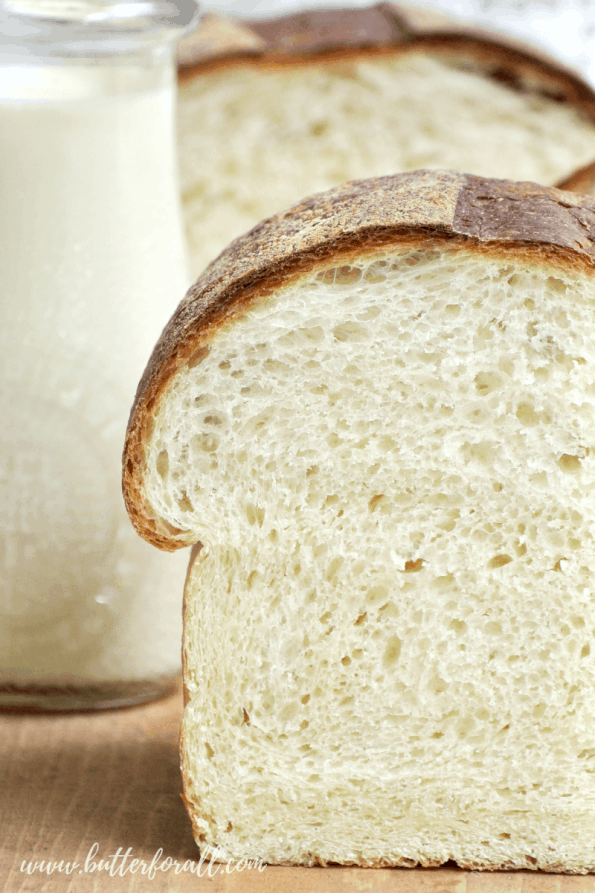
{"x": 93, "y": 263}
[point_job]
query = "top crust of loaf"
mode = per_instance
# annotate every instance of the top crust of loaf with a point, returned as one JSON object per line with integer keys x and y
{"x": 326, "y": 34}
{"x": 493, "y": 217}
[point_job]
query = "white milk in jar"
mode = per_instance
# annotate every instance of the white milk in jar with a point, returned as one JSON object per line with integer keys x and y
{"x": 92, "y": 265}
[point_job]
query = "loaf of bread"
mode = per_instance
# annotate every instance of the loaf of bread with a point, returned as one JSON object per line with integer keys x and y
{"x": 272, "y": 111}
{"x": 374, "y": 416}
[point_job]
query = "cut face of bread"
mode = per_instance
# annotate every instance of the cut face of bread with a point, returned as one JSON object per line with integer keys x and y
{"x": 387, "y": 458}
{"x": 256, "y": 137}
{"x": 389, "y": 628}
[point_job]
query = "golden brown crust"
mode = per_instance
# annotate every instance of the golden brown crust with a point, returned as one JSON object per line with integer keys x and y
{"x": 489, "y": 216}
{"x": 325, "y": 36}
{"x": 301, "y": 34}
{"x": 217, "y": 37}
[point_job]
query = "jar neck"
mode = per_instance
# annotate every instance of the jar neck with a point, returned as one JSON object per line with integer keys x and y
{"x": 96, "y": 30}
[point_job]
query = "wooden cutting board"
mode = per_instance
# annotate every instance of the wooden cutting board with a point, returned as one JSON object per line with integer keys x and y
{"x": 79, "y": 788}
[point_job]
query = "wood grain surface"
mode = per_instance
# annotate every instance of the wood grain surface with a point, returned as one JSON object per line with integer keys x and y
{"x": 80, "y": 788}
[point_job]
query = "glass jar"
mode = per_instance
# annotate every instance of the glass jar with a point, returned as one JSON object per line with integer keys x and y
{"x": 92, "y": 264}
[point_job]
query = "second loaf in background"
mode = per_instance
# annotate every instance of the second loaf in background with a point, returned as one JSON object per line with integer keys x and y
{"x": 271, "y": 111}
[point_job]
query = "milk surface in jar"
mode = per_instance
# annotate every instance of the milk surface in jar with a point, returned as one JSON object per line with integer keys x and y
{"x": 92, "y": 264}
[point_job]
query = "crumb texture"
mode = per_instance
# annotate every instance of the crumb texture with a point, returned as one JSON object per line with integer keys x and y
{"x": 245, "y": 153}
{"x": 389, "y": 629}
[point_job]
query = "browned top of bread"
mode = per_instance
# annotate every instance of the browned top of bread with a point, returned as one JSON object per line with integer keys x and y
{"x": 325, "y": 35}
{"x": 484, "y": 215}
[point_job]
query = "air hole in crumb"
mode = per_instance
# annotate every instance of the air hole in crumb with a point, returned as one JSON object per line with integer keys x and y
{"x": 350, "y": 331}
{"x": 344, "y": 275}
{"x": 184, "y": 503}
{"x": 486, "y": 382}
{"x": 162, "y": 463}
{"x": 586, "y": 650}
{"x": 288, "y": 712}
{"x": 569, "y": 464}
{"x": 526, "y": 414}
{"x": 333, "y": 569}
{"x": 315, "y": 334}
{"x": 376, "y": 593}
{"x": 588, "y": 753}
{"x": 465, "y": 725}
{"x": 499, "y": 561}
{"x": 438, "y": 685}
{"x": 412, "y": 567}
{"x": 254, "y": 514}
{"x": 458, "y": 626}
{"x": 392, "y": 652}
{"x": 208, "y": 443}
{"x": 197, "y": 357}
{"x": 493, "y": 628}
{"x": 346, "y": 660}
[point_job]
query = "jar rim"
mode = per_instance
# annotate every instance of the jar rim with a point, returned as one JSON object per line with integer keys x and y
{"x": 91, "y": 28}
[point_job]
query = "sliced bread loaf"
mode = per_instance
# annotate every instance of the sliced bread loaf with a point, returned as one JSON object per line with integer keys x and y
{"x": 375, "y": 416}
{"x": 275, "y": 110}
